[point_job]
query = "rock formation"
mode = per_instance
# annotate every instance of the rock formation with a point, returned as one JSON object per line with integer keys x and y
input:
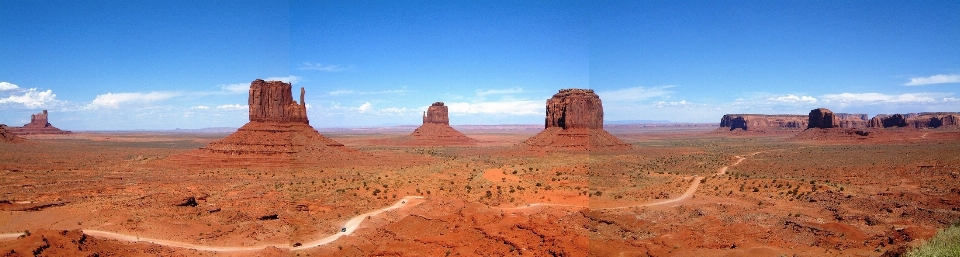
{"x": 852, "y": 120}
{"x": 763, "y": 123}
{"x": 7, "y": 136}
{"x": 574, "y": 108}
{"x": 278, "y": 133}
{"x": 273, "y": 102}
{"x": 916, "y": 120}
{"x": 436, "y": 129}
{"x": 436, "y": 113}
{"x": 574, "y": 121}
{"x": 822, "y": 118}
{"x": 39, "y": 124}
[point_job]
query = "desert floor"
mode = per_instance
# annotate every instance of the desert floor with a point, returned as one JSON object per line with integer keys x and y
{"x": 678, "y": 192}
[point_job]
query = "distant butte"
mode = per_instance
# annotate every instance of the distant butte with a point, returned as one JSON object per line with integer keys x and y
{"x": 39, "y": 124}
{"x": 574, "y": 121}
{"x": 278, "y": 133}
{"x": 916, "y": 120}
{"x": 436, "y": 129}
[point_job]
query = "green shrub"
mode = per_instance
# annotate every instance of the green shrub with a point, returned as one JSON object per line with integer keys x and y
{"x": 945, "y": 243}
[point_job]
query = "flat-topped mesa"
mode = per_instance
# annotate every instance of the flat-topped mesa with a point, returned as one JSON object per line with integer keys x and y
{"x": 763, "y": 122}
{"x": 916, "y": 120}
{"x": 852, "y": 120}
{"x": 823, "y": 118}
{"x": 574, "y": 121}
{"x": 574, "y": 108}
{"x": 436, "y": 113}
{"x": 272, "y": 101}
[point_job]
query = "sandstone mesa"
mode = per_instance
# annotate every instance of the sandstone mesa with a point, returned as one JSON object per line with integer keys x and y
{"x": 574, "y": 121}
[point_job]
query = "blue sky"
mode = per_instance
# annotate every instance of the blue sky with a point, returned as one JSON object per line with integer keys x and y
{"x": 109, "y": 65}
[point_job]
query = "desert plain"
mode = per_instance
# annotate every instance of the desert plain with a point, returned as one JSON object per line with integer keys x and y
{"x": 676, "y": 191}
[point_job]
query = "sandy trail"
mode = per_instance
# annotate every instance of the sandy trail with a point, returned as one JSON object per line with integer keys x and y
{"x": 350, "y": 226}
{"x": 694, "y": 185}
{"x": 354, "y": 223}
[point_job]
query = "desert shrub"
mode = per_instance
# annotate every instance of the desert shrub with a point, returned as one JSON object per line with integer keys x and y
{"x": 945, "y": 243}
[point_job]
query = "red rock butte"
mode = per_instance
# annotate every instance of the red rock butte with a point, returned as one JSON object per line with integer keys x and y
{"x": 763, "y": 122}
{"x": 436, "y": 129}
{"x": 278, "y": 134}
{"x": 917, "y": 120}
{"x": 824, "y": 118}
{"x": 7, "y": 136}
{"x": 574, "y": 121}
{"x": 39, "y": 124}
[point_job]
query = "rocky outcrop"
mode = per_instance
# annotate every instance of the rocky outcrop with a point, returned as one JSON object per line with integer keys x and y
{"x": 436, "y": 113}
{"x": 763, "y": 123}
{"x": 822, "y": 118}
{"x": 435, "y": 130}
{"x": 916, "y": 120}
{"x": 574, "y": 121}
{"x": 932, "y": 119}
{"x": 574, "y": 108}
{"x": 273, "y": 102}
{"x": 278, "y": 134}
{"x": 39, "y": 124}
{"x": 852, "y": 120}
{"x": 7, "y": 136}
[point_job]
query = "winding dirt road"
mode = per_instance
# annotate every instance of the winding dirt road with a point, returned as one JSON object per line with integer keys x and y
{"x": 348, "y": 228}
{"x": 352, "y": 224}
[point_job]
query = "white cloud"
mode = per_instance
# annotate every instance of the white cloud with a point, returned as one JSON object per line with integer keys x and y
{"x": 232, "y": 107}
{"x": 4, "y": 86}
{"x": 393, "y": 110}
{"x": 320, "y": 67}
{"x": 634, "y": 94}
{"x": 236, "y": 88}
{"x": 951, "y": 99}
{"x": 31, "y": 98}
{"x": 883, "y": 98}
{"x": 500, "y": 91}
{"x": 289, "y": 79}
{"x": 201, "y": 107}
{"x": 935, "y": 79}
{"x": 794, "y": 99}
{"x": 365, "y": 107}
{"x": 503, "y": 107}
{"x": 111, "y": 100}
{"x": 664, "y": 104}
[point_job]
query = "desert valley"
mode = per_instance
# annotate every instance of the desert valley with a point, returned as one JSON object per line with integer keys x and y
{"x": 821, "y": 184}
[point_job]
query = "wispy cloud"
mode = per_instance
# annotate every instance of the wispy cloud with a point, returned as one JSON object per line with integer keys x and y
{"x": 935, "y": 79}
{"x": 112, "y": 100}
{"x": 635, "y": 94}
{"x": 201, "y": 107}
{"x": 236, "y": 88}
{"x": 665, "y": 104}
{"x": 32, "y": 98}
{"x": 320, "y": 67}
{"x": 789, "y": 98}
{"x": 5, "y": 86}
{"x": 507, "y": 91}
{"x": 884, "y": 98}
{"x": 233, "y": 107}
{"x": 289, "y": 79}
